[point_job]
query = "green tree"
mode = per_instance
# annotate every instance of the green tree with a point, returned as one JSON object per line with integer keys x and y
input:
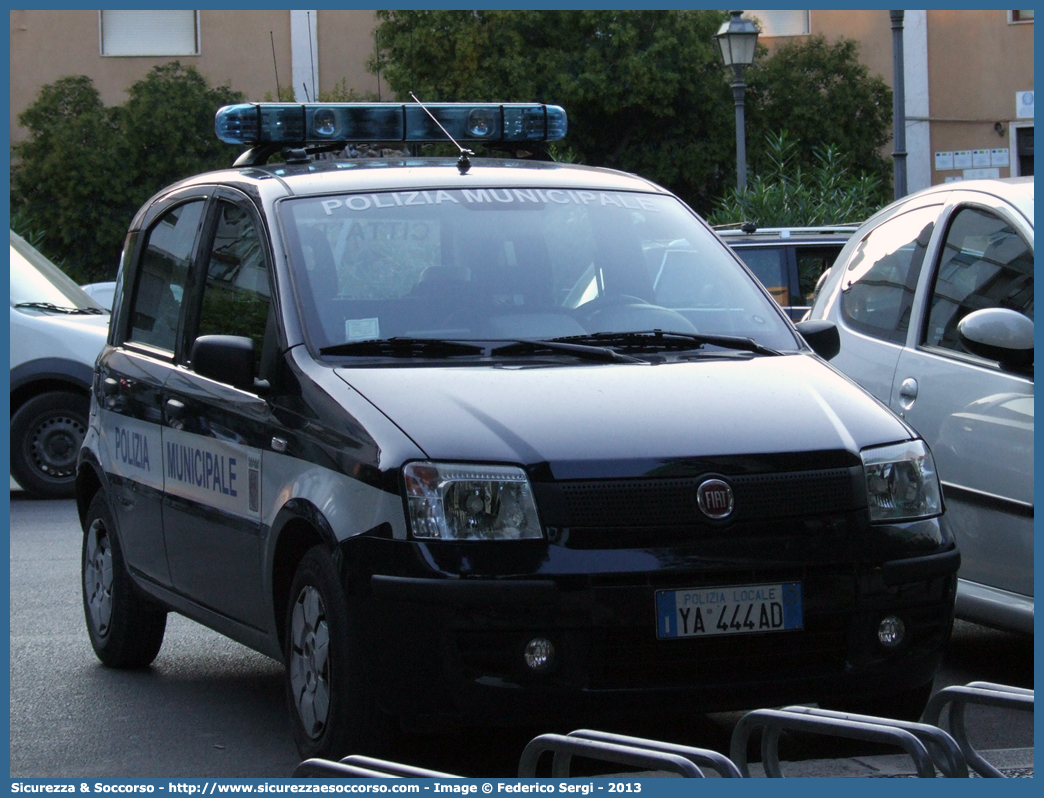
{"x": 820, "y": 93}
{"x": 85, "y": 169}
{"x": 645, "y": 90}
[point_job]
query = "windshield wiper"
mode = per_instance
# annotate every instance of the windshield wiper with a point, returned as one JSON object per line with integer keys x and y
{"x": 658, "y": 340}
{"x": 403, "y": 347}
{"x": 535, "y": 346}
{"x": 60, "y": 309}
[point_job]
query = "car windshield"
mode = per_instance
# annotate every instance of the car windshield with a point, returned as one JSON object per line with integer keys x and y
{"x": 37, "y": 282}
{"x": 516, "y": 263}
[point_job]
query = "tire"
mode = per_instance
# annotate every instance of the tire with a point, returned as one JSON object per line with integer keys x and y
{"x": 333, "y": 710}
{"x": 126, "y": 631}
{"x": 46, "y": 434}
{"x": 907, "y": 705}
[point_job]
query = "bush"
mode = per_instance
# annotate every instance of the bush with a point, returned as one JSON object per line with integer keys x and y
{"x": 85, "y": 169}
{"x": 788, "y": 195}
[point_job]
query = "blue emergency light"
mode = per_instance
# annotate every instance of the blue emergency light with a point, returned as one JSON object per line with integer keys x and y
{"x": 309, "y": 123}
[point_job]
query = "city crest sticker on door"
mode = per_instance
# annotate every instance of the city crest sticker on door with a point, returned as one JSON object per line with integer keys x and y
{"x": 213, "y": 472}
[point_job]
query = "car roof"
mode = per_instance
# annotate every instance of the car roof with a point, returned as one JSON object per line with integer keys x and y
{"x": 775, "y": 235}
{"x": 383, "y": 174}
{"x": 1018, "y": 191}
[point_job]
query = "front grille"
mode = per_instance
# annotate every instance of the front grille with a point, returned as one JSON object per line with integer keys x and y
{"x": 672, "y": 502}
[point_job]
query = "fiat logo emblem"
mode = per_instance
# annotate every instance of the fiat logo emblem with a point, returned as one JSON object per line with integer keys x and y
{"x": 714, "y": 497}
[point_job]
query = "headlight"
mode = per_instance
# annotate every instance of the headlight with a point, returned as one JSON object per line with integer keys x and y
{"x": 455, "y": 501}
{"x": 901, "y": 482}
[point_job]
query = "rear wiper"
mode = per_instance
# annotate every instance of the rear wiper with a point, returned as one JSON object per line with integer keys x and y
{"x": 403, "y": 346}
{"x": 53, "y": 308}
{"x": 535, "y": 346}
{"x": 647, "y": 340}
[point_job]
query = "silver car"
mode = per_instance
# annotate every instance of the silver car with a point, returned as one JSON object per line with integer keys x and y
{"x": 933, "y": 298}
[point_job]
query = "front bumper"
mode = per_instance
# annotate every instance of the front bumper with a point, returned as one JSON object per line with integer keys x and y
{"x": 446, "y": 625}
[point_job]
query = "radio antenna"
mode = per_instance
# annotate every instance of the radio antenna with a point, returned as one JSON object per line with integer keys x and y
{"x": 275, "y": 65}
{"x": 464, "y": 161}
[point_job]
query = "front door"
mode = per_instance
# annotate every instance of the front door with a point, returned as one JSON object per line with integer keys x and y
{"x": 215, "y": 432}
{"x": 977, "y": 418}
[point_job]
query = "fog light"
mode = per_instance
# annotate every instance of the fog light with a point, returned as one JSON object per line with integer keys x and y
{"x": 891, "y": 631}
{"x": 539, "y": 653}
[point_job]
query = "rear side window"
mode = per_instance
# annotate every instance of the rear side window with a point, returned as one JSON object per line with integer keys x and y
{"x": 878, "y": 289}
{"x": 769, "y": 265}
{"x": 161, "y": 276}
{"x": 984, "y": 264}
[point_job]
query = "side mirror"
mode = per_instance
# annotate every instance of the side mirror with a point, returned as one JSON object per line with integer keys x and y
{"x": 998, "y": 334}
{"x": 225, "y": 358}
{"x": 822, "y": 336}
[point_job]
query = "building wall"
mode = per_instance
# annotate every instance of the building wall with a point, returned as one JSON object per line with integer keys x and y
{"x": 345, "y": 42}
{"x": 963, "y": 69}
{"x": 978, "y": 61}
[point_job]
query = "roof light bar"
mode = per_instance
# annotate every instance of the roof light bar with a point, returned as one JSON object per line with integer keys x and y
{"x": 309, "y": 123}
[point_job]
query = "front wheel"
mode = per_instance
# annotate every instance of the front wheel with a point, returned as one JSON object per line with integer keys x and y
{"x": 126, "y": 630}
{"x": 333, "y": 709}
{"x": 46, "y": 433}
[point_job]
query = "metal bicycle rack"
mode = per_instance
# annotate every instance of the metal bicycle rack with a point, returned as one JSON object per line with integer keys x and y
{"x": 565, "y": 748}
{"x": 701, "y": 757}
{"x": 929, "y": 746}
{"x": 773, "y": 721}
{"x": 983, "y": 694}
{"x": 358, "y": 766}
{"x": 942, "y": 748}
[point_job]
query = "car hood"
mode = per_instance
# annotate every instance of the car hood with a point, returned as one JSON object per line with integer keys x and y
{"x": 623, "y": 420}
{"x": 38, "y": 334}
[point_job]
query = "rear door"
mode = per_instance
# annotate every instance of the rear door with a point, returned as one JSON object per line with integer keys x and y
{"x": 977, "y": 417}
{"x": 131, "y": 376}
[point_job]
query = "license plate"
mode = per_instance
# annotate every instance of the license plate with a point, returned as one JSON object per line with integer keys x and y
{"x": 728, "y": 610}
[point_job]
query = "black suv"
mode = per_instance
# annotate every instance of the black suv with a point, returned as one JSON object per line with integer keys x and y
{"x": 498, "y": 441}
{"x": 788, "y": 260}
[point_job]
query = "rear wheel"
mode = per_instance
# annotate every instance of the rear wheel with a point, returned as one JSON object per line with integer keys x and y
{"x": 333, "y": 708}
{"x": 46, "y": 433}
{"x": 906, "y": 705}
{"x": 126, "y": 631}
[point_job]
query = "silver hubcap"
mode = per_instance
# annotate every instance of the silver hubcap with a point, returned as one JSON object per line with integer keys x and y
{"x": 309, "y": 661}
{"x": 97, "y": 577}
{"x": 54, "y": 445}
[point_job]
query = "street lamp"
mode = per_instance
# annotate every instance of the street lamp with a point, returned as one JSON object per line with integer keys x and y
{"x": 738, "y": 39}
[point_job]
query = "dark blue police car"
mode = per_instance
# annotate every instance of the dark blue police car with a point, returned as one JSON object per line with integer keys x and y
{"x": 490, "y": 440}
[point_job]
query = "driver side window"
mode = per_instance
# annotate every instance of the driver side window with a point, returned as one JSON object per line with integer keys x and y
{"x": 985, "y": 264}
{"x": 237, "y": 294}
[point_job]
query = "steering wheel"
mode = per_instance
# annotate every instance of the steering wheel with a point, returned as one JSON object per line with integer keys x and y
{"x": 623, "y": 313}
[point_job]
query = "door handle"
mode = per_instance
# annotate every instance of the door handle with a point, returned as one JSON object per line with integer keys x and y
{"x": 908, "y": 393}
